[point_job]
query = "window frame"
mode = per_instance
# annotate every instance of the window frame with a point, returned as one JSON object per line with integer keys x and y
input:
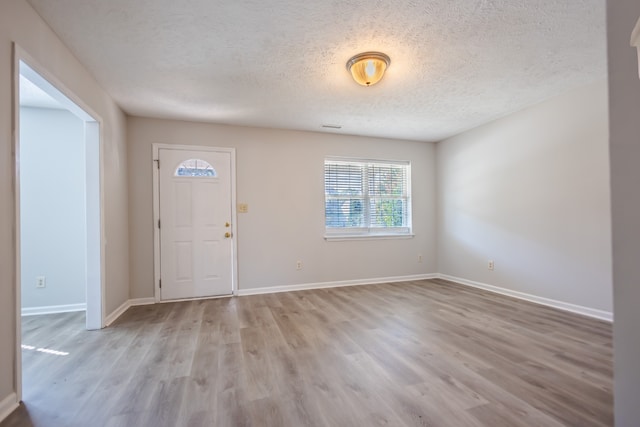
{"x": 367, "y": 231}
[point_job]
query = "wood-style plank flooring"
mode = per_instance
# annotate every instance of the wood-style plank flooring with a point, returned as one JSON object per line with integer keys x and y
{"x": 423, "y": 353}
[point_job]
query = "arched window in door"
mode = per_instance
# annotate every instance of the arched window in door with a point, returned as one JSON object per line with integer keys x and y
{"x": 196, "y": 167}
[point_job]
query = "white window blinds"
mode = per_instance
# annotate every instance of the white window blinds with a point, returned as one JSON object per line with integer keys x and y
{"x": 364, "y": 197}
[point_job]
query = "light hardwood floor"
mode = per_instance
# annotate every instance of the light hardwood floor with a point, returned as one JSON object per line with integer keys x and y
{"x": 427, "y": 353}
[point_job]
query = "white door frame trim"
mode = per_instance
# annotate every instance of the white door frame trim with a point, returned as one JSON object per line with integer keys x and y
{"x": 91, "y": 119}
{"x": 635, "y": 41}
{"x": 156, "y": 147}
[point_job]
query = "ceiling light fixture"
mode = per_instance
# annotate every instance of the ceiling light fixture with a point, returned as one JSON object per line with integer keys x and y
{"x": 368, "y": 68}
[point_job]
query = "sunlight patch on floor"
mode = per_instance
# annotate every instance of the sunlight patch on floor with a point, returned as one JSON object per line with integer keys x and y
{"x": 45, "y": 350}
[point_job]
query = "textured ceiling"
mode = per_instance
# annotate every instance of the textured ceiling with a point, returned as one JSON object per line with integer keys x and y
{"x": 455, "y": 64}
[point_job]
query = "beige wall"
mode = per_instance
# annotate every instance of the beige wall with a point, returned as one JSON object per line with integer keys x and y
{"x": 531, "y": 192}
{"x": 19, "y": 23}
{"x": 624, "y": 109}
{"x": 280, "y": 176}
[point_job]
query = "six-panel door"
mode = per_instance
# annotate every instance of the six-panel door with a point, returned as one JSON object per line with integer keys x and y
{"x": 196, "y": 252}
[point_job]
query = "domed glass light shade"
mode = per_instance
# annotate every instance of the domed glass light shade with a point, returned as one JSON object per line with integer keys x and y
{"x": 368, "y": 68}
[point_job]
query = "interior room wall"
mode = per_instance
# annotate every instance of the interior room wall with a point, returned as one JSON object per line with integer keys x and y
{"x": 19, "y": 23}
{"x": 530, "y": 191}
{"x": 280, "y": 176}
{"x": 624, "y": 110}
{"x": 53, "y": 229}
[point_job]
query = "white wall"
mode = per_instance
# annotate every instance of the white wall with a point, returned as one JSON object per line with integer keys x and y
{"x": 531, "y": 192}
{"x": 624, "y": 110}
{"x": 21, "y": 24}
{"x": 280, "y": 176}
{"x": 53, "y": 229}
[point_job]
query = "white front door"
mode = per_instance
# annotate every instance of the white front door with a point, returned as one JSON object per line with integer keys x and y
{"x": 196, "y": 241}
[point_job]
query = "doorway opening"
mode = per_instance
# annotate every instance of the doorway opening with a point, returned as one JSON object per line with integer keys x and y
{"x": 59, "y": 256}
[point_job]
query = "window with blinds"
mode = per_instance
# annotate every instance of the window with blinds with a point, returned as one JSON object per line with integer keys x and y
{"x": 367, "y": 197}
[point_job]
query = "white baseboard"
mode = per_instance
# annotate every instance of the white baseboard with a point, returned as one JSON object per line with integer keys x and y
{"x": 8, "y": 405}
{"x": 117, "y": 313}
{"x": 141, "y": 301}
{"x": 50, "y": 309}
{"x": 125, "y": 306}
{"x": 586, "y": 311}
{"x": 323, "y": 285}
{"x": 257, "y": 291}
{"x": 164, "y": 301}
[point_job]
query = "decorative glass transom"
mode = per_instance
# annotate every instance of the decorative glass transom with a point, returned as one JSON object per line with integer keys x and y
{"x": 195, "y": 167}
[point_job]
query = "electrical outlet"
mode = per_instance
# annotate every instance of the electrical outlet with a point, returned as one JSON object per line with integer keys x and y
{"x": 419, "y": 257}
{"x": 41, "y": 282}
{"x": 298, "y": 265}
{"x": 490, "y": 265}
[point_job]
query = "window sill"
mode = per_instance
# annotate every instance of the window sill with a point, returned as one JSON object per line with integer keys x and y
{"x": 343, "y": 237}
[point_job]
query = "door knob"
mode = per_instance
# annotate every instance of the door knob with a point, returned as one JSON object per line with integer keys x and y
{"x": 226, "y": 224}
{"x": 227, "y": 234}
